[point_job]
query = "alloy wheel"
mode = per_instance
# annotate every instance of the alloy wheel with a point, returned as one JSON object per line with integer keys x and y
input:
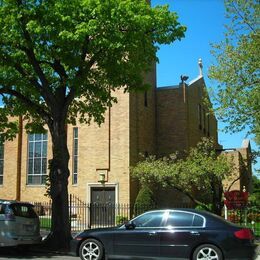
{"x": 91, "y": 250}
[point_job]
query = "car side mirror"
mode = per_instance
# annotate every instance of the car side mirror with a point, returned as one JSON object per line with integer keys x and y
{"x": 130, "y": 225}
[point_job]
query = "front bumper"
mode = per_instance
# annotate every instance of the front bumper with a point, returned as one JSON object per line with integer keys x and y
{"x": 74, "y": 247}
{"x": 16, "y": 241}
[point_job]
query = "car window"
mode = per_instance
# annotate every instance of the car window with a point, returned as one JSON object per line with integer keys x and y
{"x": 2, "y": 209}
{"x": 180, "y": 219}
{"x": 23, "y": 210}
{"x": 198, "y": 221}
{"x": 150, "y": 219}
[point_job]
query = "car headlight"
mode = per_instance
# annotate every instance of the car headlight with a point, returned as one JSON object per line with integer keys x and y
{"x": 75, "y": 236}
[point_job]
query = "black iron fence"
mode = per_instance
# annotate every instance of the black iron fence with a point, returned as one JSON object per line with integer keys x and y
{"x": 248, "y": 217}
{"x": 91, "y": 215}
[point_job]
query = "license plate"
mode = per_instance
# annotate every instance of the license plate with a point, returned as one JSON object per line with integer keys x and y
{"x": 28, "y": 227}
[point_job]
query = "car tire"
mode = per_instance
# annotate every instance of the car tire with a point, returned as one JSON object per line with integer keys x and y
{"x": 207, "y": 251}
{"x": 91, "y": 249}
{"x": 22, "y": 249}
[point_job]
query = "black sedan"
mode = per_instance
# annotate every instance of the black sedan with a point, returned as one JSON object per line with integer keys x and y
{"x": 168, "y": 234}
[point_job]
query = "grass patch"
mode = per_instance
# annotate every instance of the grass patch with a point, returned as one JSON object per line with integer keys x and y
{"x": 255, "y": 228}
{"x": 45, "y": 223}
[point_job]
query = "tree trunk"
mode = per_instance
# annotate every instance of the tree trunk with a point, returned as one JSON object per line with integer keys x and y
{"x": 60, "y": 234}
{"x": 217, "y": 190}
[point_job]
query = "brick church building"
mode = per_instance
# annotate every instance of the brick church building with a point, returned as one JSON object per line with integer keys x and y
{"x": 159, "y": 121}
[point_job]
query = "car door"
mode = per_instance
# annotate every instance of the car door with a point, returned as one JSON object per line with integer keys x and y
{"x": 142, "y": 239}
{"x": 182, "y": 231}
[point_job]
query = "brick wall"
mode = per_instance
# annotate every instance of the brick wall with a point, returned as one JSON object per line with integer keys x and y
{"x": 128, "y": 130}
{"x": 178, "y": 124}
{"x": 142, "y": 126}
{"x": 167, "y": 121}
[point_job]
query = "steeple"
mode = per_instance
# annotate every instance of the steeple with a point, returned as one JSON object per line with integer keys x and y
{"x": 200, "y": 67}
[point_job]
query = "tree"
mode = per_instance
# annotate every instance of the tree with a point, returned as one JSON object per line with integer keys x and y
{"x": 199, "y": 175}
{"x": 144, "y": 200}
{"x": 62, "y": 60}
{"x": 254, "y": 197}
{"x": 237, "y": 68}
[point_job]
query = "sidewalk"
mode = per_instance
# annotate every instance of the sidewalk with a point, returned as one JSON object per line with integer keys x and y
{"x": 258, "y": 252}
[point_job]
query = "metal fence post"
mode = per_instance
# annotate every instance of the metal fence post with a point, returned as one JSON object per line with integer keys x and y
{"x": 89, "y": 215}
{"x": 70, "y": 209}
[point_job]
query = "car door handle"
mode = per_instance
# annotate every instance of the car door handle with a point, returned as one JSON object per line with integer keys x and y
{"x": 195, "y": 233}
{"x": 152, "y": 233}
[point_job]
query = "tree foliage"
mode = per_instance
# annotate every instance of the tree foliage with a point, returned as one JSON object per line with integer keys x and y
{"x": 145, "y": 200}
{"x": 199, "y": 175}
{"x": 237, "y": 68}
{"x": 79, "y": 50}
{"x": 63, "y": 60}
{"x": 254, "y": 197}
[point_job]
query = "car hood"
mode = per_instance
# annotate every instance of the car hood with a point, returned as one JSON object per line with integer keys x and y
{"x": 94, "y": 230}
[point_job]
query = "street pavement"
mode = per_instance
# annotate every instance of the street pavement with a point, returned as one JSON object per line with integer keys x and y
{"x": 11, "y": 253}
{"x": 258, "y": 252}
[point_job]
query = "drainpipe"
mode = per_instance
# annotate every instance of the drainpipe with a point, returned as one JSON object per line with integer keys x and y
{"x": 185, "y": 102}
{"x": 103, "y": 178}
{"x": 183, "y": 84}
{"x": 19, "y": 158}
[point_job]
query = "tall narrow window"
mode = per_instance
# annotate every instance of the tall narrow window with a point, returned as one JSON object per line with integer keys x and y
{"x": 37, "y": 159}
{"x": 208, "y": 125}
{"x": 204, "y": 120}
{"x": 145, "y": 99}
{"x": 1, "y": 163}
{"x": 75, "y": 156}
{"x": 200, "y": 116}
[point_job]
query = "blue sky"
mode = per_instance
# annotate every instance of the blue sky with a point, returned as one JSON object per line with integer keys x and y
{"x": 205, "y": 20}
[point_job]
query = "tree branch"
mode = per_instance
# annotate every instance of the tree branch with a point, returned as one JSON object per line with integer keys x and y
{"x": 243, "y": 17}
{"x": 83, "y": 70}
{"x": 32, "y": 59}
{"x": 58, "y": 68}
{"x": 8, "y": 60}
{"x": 231, "y": 184}
{"x": 25, "y": 101}
{"x": 188, "y": 195}
{"x": 29, "y": 51}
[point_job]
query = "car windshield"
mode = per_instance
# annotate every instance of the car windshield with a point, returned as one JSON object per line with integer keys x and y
{"x": 23, "y": 210}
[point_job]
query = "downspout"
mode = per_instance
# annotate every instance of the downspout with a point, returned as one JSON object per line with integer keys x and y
{"x": 186, "y": 105}
{"x": 109, "y": 138}
{"x": 109, "y": 148}
{"x": 187, "y": 115}
{"x": 19, "y": 158}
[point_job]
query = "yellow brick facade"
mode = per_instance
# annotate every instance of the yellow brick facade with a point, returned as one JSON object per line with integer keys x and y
{"x": 241, "y": 176}
{"x": 182, "y": 117}
{"x": 159, "y": 121}
{"x": 129, "y": 129}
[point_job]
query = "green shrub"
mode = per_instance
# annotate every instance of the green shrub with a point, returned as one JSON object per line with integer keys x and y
{"x": 253, "y": 216}
{"x": 45, "y": 223}
{"x": 144, "y": 200}
{"x": 121, "y": 220}
{"x": 207, "y": 207}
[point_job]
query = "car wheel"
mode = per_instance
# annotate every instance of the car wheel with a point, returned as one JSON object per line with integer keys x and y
{"x": 22, "y": 249}
{"x": 207, "y": 252}
{"x": 91, "y": 249}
